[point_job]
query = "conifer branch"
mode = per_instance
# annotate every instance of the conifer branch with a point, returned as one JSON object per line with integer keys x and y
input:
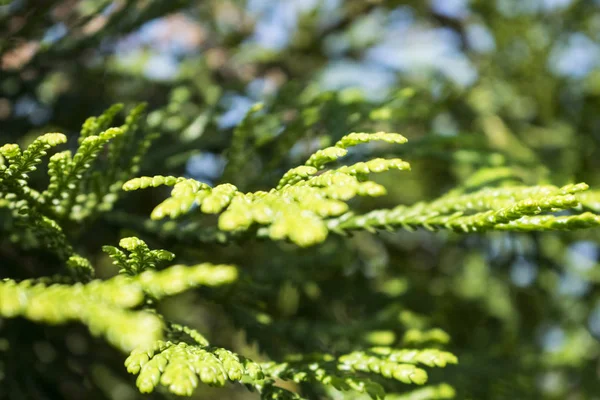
{"x": 509, "y": 208}
{"x": 182, "y": 367}
{"x": 308, "y": 201}
{"x": 105, "y": 306}
{"x": 296, "y": 209}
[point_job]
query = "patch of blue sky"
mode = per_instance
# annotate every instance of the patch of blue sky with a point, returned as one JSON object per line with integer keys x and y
{"x": 261, "y": 88}
{"x": 575, "y": 57}
{"x": 161, "y": 67}
{"x": 109, "y": 9}
{"x": 551, "y": 5}
{"x": 553, "y": 339}
{"x": 573, "y": 285}
{"x": 277, "y": 21}
{"x": 582, "y": 255}
{"x": 594, "y": 321}
{"x": 205, "y": 167}
{"x": 373, "y": 80}
{"x": 55, "y": 33}
{"x": 513, "y": 8}
{"x": 523, "y": 272}
{"x": 29, "y": 107}
{"x": 418, "y": 49}
{"x": 236, "y": 108}
{"x": 458, "y": 9}
{"x": 152, "y": 34}
{"x": 479, "y": 38}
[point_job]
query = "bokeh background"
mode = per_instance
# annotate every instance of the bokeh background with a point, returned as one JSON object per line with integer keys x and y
{"x": 471, "y": 83}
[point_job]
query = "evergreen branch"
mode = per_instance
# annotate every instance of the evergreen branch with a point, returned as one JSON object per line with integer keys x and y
{"x": 181, "y": 367}
{"x": 62, "y": 190}
{"x": 95, "y": 125}
{"x": 341, "y": 372}
{"x": 509, "y": 208}
{"x": 323, "y": 369}
{"x": 196, "y": 336}
{"x": 429, "y": 357}
{"x": 125, "y": 155}
{"x": 296, "y": 209}
{"x": 330, "y": 154}
{"x": 23, "y": 163}
{"x": 552, "y": 223}
{"x": 155, "y": 181}
{"x": 75, "y": 190}
{"x": 118, "y": 146}
{"x": 141, "y": 258}
{"x": 13, "y": 178}
{"x": 104, "y": 306}
{"x": 179, "y": 278}
{"x": 49, "y": 232}
{"x": 307, "y": 203}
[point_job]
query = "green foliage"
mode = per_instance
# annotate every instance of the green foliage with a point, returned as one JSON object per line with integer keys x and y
{"x": 105, "y": 306}
{"x": 326, "y": 270}
{"x": 305, "y": 204}
{"x": 515, "y": 208}
{"x": 70, "y": 193}
{"x": 181, "y": 367}
{"x": 295, "y": 210}
{"x": 341, "y": 372}
{"x": 308, "y": 202}
{"x": 102, "y": 307}
{"x": 67, "y": 172}
{"x": 140, "y": 258}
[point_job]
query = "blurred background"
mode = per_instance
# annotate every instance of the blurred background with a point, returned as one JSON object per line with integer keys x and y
{"x": 471, "y": 83}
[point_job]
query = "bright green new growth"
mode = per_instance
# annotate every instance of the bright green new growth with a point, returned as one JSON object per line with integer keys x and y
{"x": 23, "y": 163}
{"x": 181, "y": 367}
{"x": 66, "y": 173}
{"x": 106, "y": 306}
{"x": 330, "y": 154}
{"x": 515, "y": 208}
{"x": 141, "y": 258}
{"x": 13, "y": 178}
{"x": 297, "y": 208}
{"x": 309, "y": 201}
{"x": 95, "y": 125}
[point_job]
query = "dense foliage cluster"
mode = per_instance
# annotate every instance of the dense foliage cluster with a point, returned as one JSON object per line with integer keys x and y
{"x": 254, "y": 229}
